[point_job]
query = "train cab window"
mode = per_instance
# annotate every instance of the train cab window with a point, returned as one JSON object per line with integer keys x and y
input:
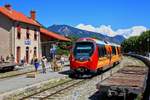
{"x": 83, "y": 49}
{"x": 102, "y": 51}
{"x": 113, "y": 50}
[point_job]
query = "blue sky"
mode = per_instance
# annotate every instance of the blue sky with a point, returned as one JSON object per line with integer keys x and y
{"x": 120, "y": 14}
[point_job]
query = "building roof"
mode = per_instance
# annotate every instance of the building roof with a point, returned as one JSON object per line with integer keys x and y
{"x": 53, "y": 34}
{"x": 17, "y": 16}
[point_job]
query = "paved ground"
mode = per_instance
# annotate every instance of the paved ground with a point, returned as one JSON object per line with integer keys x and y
{"x": 31, "y": 67}
{"x": 21, "y": 81}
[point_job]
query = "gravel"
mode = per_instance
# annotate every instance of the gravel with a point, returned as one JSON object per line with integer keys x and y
{"x": 88, "y": 90}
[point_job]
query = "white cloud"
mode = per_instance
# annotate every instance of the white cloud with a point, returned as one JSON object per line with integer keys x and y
{"x": 107, "y": 30}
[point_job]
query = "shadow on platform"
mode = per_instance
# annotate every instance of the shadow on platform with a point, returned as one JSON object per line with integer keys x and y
{"x": 67, "y": 72}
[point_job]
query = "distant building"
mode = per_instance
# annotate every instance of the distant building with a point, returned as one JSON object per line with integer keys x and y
{"x": 20, "y": 35}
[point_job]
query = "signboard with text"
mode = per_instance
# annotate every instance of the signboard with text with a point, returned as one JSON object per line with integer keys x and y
{"x": 27, "y": 42}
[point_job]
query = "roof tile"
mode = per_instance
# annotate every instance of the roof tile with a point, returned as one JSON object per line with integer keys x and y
{"x": 54, "y": 35}
{"x": 17, "y": 16}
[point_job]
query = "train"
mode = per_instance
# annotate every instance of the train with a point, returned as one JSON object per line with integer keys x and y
{"x": 90, "y": 56}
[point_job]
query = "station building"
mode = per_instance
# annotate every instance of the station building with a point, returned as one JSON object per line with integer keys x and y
{"x": 49, "y": 38}
{"x": 21, "y": 36}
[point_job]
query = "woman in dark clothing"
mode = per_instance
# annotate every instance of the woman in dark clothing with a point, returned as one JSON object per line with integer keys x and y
{"x": 36, "y": 64}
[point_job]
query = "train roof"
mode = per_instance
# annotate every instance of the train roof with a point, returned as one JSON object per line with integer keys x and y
{"x": 114, "y": 44}
{"x": 106, "y": 43}
{"x": 98, "y": 41}
{"x": 92, "y": 40}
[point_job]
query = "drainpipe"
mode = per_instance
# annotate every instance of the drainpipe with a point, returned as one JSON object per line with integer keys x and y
{"x": 10, "y": 47}
{"x": 13, "y": 34}
{"x": 39, "y": 44}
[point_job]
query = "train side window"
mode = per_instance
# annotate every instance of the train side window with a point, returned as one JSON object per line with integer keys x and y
{"x": 113, "y": 50}
{"x": 102, "y": 51}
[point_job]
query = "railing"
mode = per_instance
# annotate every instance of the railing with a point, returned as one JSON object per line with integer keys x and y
{"x": 146, "y": 60}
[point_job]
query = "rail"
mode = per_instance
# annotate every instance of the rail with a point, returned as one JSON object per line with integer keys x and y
{"x": 52, "y": 91}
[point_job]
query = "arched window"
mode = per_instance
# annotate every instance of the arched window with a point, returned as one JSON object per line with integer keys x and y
{"x": 35, "y": 34}
{"x": 18, "y": 31}
{"x": 18, "y": 54}
{"x": 27, "y": 48}
{"x": 27, "y": 54}
{"x": 27, "y": 33}
{"x": 35, "y": 51}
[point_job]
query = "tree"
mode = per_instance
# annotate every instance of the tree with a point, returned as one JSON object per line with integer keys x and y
{"x": 137, "y": 44}
{"x": 130, "y": 44}
{"x": 144, "y": 40}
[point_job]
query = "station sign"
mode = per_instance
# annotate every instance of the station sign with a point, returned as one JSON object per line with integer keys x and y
{"x": 27, "y": 42}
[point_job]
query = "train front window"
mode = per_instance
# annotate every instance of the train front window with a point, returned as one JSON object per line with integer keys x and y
{"x": 83, "y": 49}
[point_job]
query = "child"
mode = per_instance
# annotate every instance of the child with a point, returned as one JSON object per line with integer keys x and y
{"x": 44, "y": 61}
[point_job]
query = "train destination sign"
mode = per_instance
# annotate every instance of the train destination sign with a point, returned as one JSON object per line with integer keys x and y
{"x": 84, "y": 48}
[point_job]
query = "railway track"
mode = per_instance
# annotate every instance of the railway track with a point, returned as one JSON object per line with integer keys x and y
{"x": 51, "y": 92}
{"x": 55, "y": 91}
{"x": 67, "y": 88}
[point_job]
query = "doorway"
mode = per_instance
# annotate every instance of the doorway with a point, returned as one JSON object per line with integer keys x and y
{"x": 18, "y": 54}
{"x": 27, "y": 54}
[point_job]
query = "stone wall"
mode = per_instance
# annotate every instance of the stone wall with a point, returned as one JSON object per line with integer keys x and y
{"x": 5, "y": 34}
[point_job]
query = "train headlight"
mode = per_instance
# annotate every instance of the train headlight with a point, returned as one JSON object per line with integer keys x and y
{"x": 73, "y": 59}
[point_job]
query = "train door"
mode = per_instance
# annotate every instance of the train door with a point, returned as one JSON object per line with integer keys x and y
{"x": 119, "y": 53}
{"x": 109, "y": 53}
{"x": 103, "y": 56}
{"x": 114, "y": 54}
{"x": 35, "y": 52}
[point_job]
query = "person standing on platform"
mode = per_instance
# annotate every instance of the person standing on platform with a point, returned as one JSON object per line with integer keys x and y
{"x": 36, "y": 64}
{"x": 44, "y": 63}
{"x": 53, "y": 52}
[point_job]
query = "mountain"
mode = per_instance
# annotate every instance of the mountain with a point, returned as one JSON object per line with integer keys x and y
{"x": 118, "y": 39}
{"x": 70, "y": 31}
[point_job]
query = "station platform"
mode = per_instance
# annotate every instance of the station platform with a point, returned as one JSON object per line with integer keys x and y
{"x": 14, "y": 83}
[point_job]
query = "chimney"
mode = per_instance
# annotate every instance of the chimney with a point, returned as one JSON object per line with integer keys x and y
{"x": 8, "y": 6}
{"x": 33, "y": 14}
